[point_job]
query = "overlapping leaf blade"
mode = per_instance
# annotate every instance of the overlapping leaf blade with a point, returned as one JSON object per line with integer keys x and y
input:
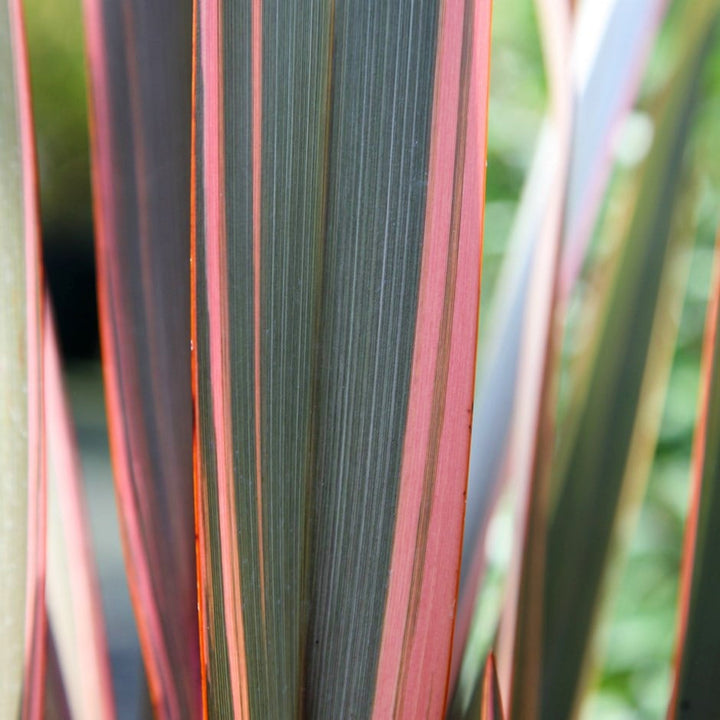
{"x": 491, "y": 703}
{"x": 531, "y": 435}
{"x": 79, "y": 674}
{"x": 22, "y": 487}
{"x": 592, "y": 469}
{"x": 698, "y": 651}
{"x": 338, "y": 179}
{"x": 485, "y": 702}
{"x": 262, "y": 75}
{"x": 605, "y": 83}
{"x": 56, "y": 705}
{"x": 140, "y": 86}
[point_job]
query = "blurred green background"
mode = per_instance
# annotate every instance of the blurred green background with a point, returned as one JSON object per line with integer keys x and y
{"x": 638, "y": 628}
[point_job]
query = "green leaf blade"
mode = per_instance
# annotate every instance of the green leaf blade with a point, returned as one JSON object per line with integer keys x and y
{"x": 324, "y": 278}
{"x": 592, "y": 474}
{"x": 261, "y": 117}
{"x": 697, "y": 658}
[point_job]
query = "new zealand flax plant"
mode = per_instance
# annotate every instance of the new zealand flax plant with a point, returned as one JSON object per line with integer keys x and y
{"x": 289, "y": 202}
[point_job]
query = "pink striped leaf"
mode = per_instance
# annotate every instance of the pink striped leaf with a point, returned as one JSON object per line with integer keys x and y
{"x": 76, "y": 633}
{"x": 484, "y": 701}
{"x": 698, "y": 652}
{"x": 338, "y": 183}
{"x": 491, "y": 703}
{"x": 22, "y": 476}
{"x": 611, "y": 42}
{"x": 139, "y": 57}
{"x": 596, "y": 467}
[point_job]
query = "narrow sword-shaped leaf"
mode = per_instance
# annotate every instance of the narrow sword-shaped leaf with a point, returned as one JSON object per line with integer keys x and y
{"x": 262, "y": 83}
{"x": 424, "y": 569}
{"x": 22, "y": 476}
{"x": 72, "y": 593}
{"x": 139, "y": 57}
{"x": 339, "y": 172}
{"x": 411, "y": 675}
{"x": 495, "y": 388}
{"x": 532, "y": 435}
{"x": 604, "y": 76}
{"x": 697, "y": 659}
{"x": 56, "y": 706}
{"x": 491, "y": 703}
{"x": 485, "y": 702}
{"x": 520, "y": 638}
{"x": 556, "y": 27}
{"x": 612, "y": 43}
{"x": 592, "y": 468}
{"x": 589, "y": 170}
